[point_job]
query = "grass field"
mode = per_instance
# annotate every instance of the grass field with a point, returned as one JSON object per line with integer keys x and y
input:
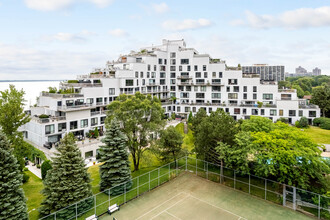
{"x": 319, "y": 135}
{"x": 190, "y": 197}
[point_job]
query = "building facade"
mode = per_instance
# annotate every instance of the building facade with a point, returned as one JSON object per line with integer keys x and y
{"x": 165, "y": 71}
{"x": 265, "y": 72}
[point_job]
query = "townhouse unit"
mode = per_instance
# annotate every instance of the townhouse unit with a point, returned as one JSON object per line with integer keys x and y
{"x": 183, "y": 79}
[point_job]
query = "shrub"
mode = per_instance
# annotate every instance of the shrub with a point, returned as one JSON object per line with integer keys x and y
{"x": 260, "y": 104}
{"x": 325, "y": 125}
{"x": 322, "y": 122}
{"x": 38, "y": 166}
{"x": 43, "y": 116}
{"x": 45, "y": 166}
{"x": 302, "y": 123}
{"x": 25, "y": 169}
{"x": 25, "y": 177}
{"x": 96, "y": 133}
{"x": 284, "y": 120}
{"x": 73, "y": 81}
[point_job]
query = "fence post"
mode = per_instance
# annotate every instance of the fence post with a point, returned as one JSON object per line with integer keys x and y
{"x": 186, "y": 163}
{"x": 207, "y": 170}
{"x": 196, "y": 165}
{"x": 149, "y": 181}
{"x": 319, "y": 208}
{"x": 294, "y": 198}
{"x": 176, "y": 167}
{"x": 265, "y": 189}
{"x": 109, "y": 197}
{"x": 234, "y": 179}
{"x": 220, "y": 174}
{"x": 76, "y": 212}
{"x": 55, "y": 215}
{"x": 169, "y": 171}
{"x": 137, "y": 186}
{"x": 249, "y": 184}
{"x": 95, "y": 205}
{"x": 158, "y": 176}
{"x": 284, "y": 195}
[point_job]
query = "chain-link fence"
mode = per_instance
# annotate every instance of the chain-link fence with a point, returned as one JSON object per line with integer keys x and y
{"x": 282, "y": 194}
{"x": 292, "y": 197}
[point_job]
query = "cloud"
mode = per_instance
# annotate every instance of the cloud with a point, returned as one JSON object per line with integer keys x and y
{"x": 53, "y": 5}
{"x": 118, "y": 33}
{"x": 294, "y": 19}
{"x": 160, "y": 8}
{"x": 69, "y": 37}
{"x": 187, "y": 24}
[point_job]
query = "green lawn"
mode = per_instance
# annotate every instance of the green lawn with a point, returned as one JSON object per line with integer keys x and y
{"x": 319, "y": 135}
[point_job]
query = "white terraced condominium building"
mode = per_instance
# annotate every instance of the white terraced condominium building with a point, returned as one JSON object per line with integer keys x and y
{"x": 165, "y": 71}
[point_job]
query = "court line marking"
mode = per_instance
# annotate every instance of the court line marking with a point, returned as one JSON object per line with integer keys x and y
{"x": 239, "y": 217}
{"x": 161, "y": 204}
{"x": 173, "y": 215}
{"x": 165, "y": 210}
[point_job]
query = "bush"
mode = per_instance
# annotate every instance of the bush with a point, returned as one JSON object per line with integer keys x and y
{"x": 45, "y": 166}
{"x": 322, "y": 122}
{"x": 43, "y": 116}
{"x": 73, "y": 81}
{"x": 25, "y": 177}
{"x": 302, "y": 123}
{"x": 284, "y": 120}
{"x": 38, "y": 166}
{"x": 325, "y": 125}
{"x": 25, "y": 169}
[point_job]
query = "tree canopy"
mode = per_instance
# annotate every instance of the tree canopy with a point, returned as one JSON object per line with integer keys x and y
{"x": 141, "y": 117}
{"x": 321, "y": 97}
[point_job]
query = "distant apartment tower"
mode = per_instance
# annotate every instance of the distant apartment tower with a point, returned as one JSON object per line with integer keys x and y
{"x": 316, "y": 71}
{"x": 266, "y": 72}
{"x": 301, "y": 70}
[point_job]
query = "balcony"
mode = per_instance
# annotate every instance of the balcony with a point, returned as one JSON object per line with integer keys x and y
{"x": 56, "y": 95}
{"x": 81, "y": 84}
{"x": 311, "y": 106}
{"x": 287, "y": 90}
{"x": 127, "y": 92}
{"x": 184, "y": 77}
{"x": 48, "y": 120}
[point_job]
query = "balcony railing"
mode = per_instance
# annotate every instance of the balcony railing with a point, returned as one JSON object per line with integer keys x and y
{"x": 56, "y": 95}
{"x": 48, "y": 120}
{"x": 308, "y": 106}
{"x": 81, "y": 84}
{"x": 184, "y": 77}
{"x": 287, "y": 90}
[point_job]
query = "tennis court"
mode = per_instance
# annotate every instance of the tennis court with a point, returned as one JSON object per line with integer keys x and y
{"x": 189, "y": 197}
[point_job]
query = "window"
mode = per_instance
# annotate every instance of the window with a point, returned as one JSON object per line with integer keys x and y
{"x": 172, "y": 88}
{"x": 205, "y": 74}
{"x": 194, "y": 109}
{"x": 216, "y": 89}
{"x": 216, "y": 95}
{"x": 136, "y": 74}
{"x": 200, "y": 81}
{"x": 301, "y": 113}
{"x": 149, "y": 67}
{"x": 180, "y": 68}
{"x": 220, "y": 74}
{"x": 172, "y": 55}
{"x": 236, "y": 88}
{"x": 188, "y": 88}
{"x": 254, "y": 96}
{"x": 312, "y": 114}
{"x": 172, "y": 68}
{"x": 196, "y": 88}
{"x": 61, "y": 127}
{"x": 129, "y": 82}
{"x": 232, "y": 95}
{"x": 184, "y": 61}
{"x": 143, "y": 82}
{"x": 237, "y": 111}
{"x": 244, "y": 95}
{"x": 178, "y": 109}
{"x": 172, "y": 75}
{"x": 210, "y": 110}
{"x": 232, "y": 81}
{"x": 214, "y": 74}
{"x": 84, "y": 123}
{"x": 188, "y": 68}
{"x": 184, "y": 95}
{"x": 59, "y": 103}
{"x": 273, "y": 112}
{"x": 173, "y": 61}
{"x": 160, "y": 61}
{"x": 111, "y": 91}
{"x": 292, "y": 112}
{"x": 285, "y": 96}
{"x": 267, "y": 96}
{"x": 262, "y": 112}
{"x": 94, "y": 121}
{"x": 172, "y": 81}
{"x": 49, "y": 129}
{"x": 228, "y": 89}
{"x": 162, "y": 68}
{"x": 198, "y": 74}
{"x": 203, "y": 88}
{"x": 244, "y": 111}
{"x": 73, "y": 125}
{"x": 200, "y": 95}
{"x": 148, "y": 74}
{"x": 244, "y": 88}
{"x": 162, "y": 75}
{"x": 254, "y": 89}
{"x": 155, "y": 67}
{"x": 195, "y": 68}
{"x": 204, "y": 67}
{"x": 216, "y": 81}
{"x": 281, "y": 112}
{"x": 187, "y": 109}
{"x": 254, "y": 111}
{"x": 141, "y": 74}
{"x": 103, "y": 120}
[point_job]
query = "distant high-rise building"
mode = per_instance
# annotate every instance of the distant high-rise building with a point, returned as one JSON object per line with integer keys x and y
{"x": 301, "y": 70}
{"x": 316, "y": 71}
{"x": 267, "y": 73}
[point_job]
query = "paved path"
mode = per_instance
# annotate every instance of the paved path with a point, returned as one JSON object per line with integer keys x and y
{"x": 34, "y": 170}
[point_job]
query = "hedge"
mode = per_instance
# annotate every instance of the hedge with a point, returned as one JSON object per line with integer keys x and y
{"x": 322, "y": 122}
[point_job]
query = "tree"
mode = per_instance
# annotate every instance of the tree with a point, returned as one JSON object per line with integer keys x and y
{"x": 68, "y": 182}
{"x": 141, "y": 116}
{"x": 321, "y": 97}
{"x": 12, "y": 114}
{"x": 12, "y": 199}
{"x": 190, "y": 118}
{"x": 300, "y": 92}
{"x": 257, "y": 123}
{"x": 197, "y": 119}
{"x": 45, "y": 167}
{"x": 218, "y": 127}
{"x": 170, "y": 144}
{"x": 115, "y": 170}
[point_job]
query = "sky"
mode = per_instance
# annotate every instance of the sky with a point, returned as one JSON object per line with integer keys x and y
{"x": 59, "y": 39}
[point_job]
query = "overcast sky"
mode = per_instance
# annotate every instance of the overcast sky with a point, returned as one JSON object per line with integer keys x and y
{"x": 58, "y": 39}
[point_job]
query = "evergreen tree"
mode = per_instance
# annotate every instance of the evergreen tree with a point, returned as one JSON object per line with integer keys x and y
{"x": 12, "y": 200}
{"x": 190, "y": 117}
{"x": 67, "y": 182}
{"x": 116, "y": 169}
